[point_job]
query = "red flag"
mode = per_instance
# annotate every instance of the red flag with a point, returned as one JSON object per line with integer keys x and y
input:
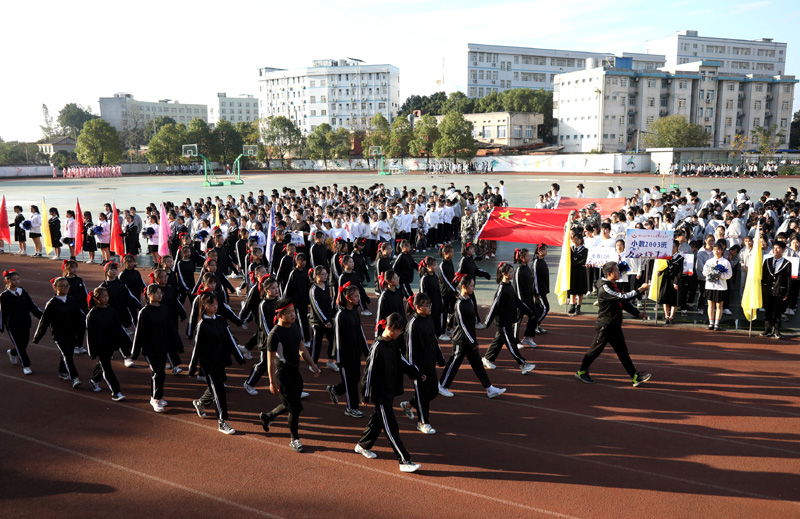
{"x": 520, "y": 225}
{"x": 79, "y": 223}
{"x": 5, "y": 230}
{"x": 117, "y": 245}
{"x": 604, "y": 206}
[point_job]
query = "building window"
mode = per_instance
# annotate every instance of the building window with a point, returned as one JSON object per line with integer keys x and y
{"x": 787, "y": 89}
{"x": 682, "y": 103}
{"x": 312, "y": 99}
{"x": 651, "y": 101}
{"x": 623, "y": 81}
{"x": 683, "y": 84}
{"x": 785, "y": 105}
{"x": 757, "y": 105}
{"x": 729, "y": 104}
{"x": 756, "y": 122}
{"x": 501, "y": 132}
{"x": 651, "y": 83}
{"x": 529, "y": 132}
{"x": 728, "y": 121}
{"x": 517, "y": 132}
{"x": 313, "y": 113}
{"x": 784, "y": 123}
{"x": 759, "y": 87}
{"x": 487, "y": 132}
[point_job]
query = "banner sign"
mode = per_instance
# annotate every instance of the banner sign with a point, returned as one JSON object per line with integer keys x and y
{"x": 795, "y": 261}
{"x": 297, "y": 238}
{"x": 599, "y": 256}
{"x": 645, "y": 243}
{"x": 688, "y": 264}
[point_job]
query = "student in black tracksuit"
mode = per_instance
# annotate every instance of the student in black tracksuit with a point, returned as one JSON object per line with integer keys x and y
{"x": 123, "y": 302}
{"x": 423, "y": 351}
{"x": 320, "y": 254}
{"x": 169, "y": 299}
{"x": 265, "y": 317}
{"x": 296, "y": 290}
{"x": 504, "y": 311}
{"x": 249, "y": 311}
{"x": 322, "y": 315}
{"x": 382, "y": 263}
{"x": 223, "y": 287}
{"x": 63, "y": 314}
{"x": 465, "y": 342}
{"x": 467, "y": 267}
{"x": 339, "y": 252}
{"x": 16, "y": 307}
{"x": 360, "y": 261}
{"x": 131, "y": 277}
{"x": 77, "y": 288}
{"x": 382, "y": 382}
{"x": 351, "y": 277}
{"x": 350, "y": 345}
{"x": 184, "y": 269}
{"x": 446, "y": 274}
{"x": 208, "y": 283}
{"x": 429, "y": 285}
{"x": 213, "y": 347}
{"x": 405, "y": 266}
{"x": 286, "y": 267}
{"x": 523, "y": 287}
{"x": 152, "y": 339}
{"x": 541, "y": 284}
{"x": 608, "y": 327}
{"x": 103, "y": 332}
{"x": 391, "y": 301}
{"x": 285, "y": 350}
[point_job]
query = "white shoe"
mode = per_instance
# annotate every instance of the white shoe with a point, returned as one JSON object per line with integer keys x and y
{"x": 156, "y": 407}
{"x": 95, "y": 386}
{"x": 527, "y": 368}
{"x": 365, "y": 452}
{"x": 12, "y": 358}
{"x": 528, "y": 341}
{"x": 493, "y": 392}
{"x": 76, "y": 382}
{"x": 366, "y": 312}
{"x": 117, "y": 397}
{"x": 425, "y": 428}
{"x": 409, "y": 466}
{"x": 304, "y": 394}
{"x": 26, "y": 370}
{"x": 176, "y": 370}
{"x": 727, "y": 311}
{"x": 128, "y": 362}
{"x": 76, "y": 351}
{"x": 487, "y": 364}
{"x": 250, "y": 389}
{"x": 162, "y": 402}
{"x": 445, "y": 392}
{"x": 479, "y": 326}
{"x": 332, "y": 366}
{"x": 444, "y": 337}
{"x": 407, "y": 409}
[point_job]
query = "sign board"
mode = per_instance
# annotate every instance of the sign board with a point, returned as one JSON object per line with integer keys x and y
{"x": 795, "y": 261}
{"x": 297, "y": 238}
{"x": 645, "y": 243}
{"x": 599, "y": 256}
{"x": 688, "y": 264}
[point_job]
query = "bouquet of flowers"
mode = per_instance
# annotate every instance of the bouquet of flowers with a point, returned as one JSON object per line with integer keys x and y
{"x": 97, "y": 230}
{"x": 203, "y": 234}
{"x": 623, "y": 267}
{"x": 717, "y": 272}
{"x": 149, "y": 232}
{"x": 26, "y": 225}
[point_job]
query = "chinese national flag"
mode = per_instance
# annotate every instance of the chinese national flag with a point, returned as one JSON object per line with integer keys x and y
{"x": 79, "y": 223}
{"x": 520, "y": 225}
{"x": 117, "y": 244}
{"x": 604, "y": 206}
{"x": 5, "y": 230}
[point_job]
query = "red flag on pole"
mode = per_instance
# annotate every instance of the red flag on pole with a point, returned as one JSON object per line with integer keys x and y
{"x": 79, "y": 223}
{"x": 117, "y": 245}
{"x": 604, "y": 206}
{"x": 520, "y": 225}
{"x": 5, "y": 230}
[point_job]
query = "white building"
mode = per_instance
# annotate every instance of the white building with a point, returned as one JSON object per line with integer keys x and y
{"x": 243, "y": 108}
{"x": 123, "y": 112}
{"x": 763, "y": 56}
{"x": 606, "y": 109}
{"x": 495, "y": 68}
{"x": 509, "y": 129}
{"x": 344, "y": 93}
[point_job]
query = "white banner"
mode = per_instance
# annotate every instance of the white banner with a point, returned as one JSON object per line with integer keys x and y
{"x": 297, "y": 238}
{"x": 688, "y": 264}
{"x": 795, "y": 261}
{"x": 644, "y": 243}
{"x": 599, "y": 256}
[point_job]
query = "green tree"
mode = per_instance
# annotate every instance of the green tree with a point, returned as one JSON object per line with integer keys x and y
{"x": 767, "y": 139}
{"x": 377, "y": 135}
{"x": 227, "y": 142}
{"x": 48, "y": 128}
{"x": 426, "y": 133}
{"x": 674, "y": 131}
{"x": 456, "y": 138}
{"x": 399, "y": 138}
{"x": 98, "y": 144}
{"x": 794, "y": 134}
{"x": 151, "y": 128}
{"x": 281, "y": 136}
{"x": 20, "y": 153}
{"x": 167, "y": 144}
{"x": 459, "y": 102}
{"x": 199, "y": 133}
{"x": 491, "y": 102}
{"x": 739, "y": 145}
{"x": 319, "y": 146}
{"x": 72, "y": 117}
{"x": 340, "y": 143}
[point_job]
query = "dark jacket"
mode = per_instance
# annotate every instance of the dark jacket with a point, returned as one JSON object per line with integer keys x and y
{"x": 422, "y": 348}
{"x": 464, "y": 319}
{"x": 16, "y": 310}
{"x": 612, "y": 302}
{"x": 65, "y": 318}
{"x": 213, "y": 346}
{"x": 775, "y": 282}
{"x": 104, "y": 333}
{"x": 447, "y": 283}
{"x": 405, "y": 266}
{"x": 383, "y": 377}
{"x": 121, "y": 300}
{"x": 466, "y": 265}
{"x": 153, "y": 336}
{"x": 541, "y": 278}
{"x": 505, "y": 306}
{"x": 350, "y": 343}
{"x": 321, "y": 306}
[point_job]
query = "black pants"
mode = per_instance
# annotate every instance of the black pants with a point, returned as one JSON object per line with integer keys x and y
{"x": 454, "y": 362}
{"x": 437, "y": 315}
{"x": 66, "y": 366}
{"x": 605, "y": 334}
{"x": 383, "y": 419}
{"x": 774, "y": 306}
{"x": 351, "y": 373}
{"x": 291, "y": 385}
{"x": 302, "y": 321}
{"x": 530, "y": 326}
{"x": 104, "y": 371}
{"x": 504, "y": 335}
{"x": 687, "y": 291}
{"x": 319, "y": 332}
{"x": 545, "y": 308}
{"x": 258, "y": 370}
{"x": 157, "y": 365}
{"x": 475, "y": 304}
{"x": 20, "y": 338}
{"x": 406, "y": 288}
{"x": 424, "y": 392}
{"x": 215, "y": 392}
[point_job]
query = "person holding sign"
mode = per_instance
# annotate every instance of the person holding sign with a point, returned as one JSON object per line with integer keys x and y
{"x": 670, "y": 279}
{"x": 608, "y": 328}
{"x": 775, "y": 289}
{"x": 717, "y": 270}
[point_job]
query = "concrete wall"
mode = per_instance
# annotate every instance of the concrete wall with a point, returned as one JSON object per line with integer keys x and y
{"x": 43, "y": 170}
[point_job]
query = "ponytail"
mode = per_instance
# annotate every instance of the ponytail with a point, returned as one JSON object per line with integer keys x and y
{"x": 519, "y": 254}
{"x": 445, "y": 248}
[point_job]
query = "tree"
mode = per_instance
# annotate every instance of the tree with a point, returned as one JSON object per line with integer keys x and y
{"x": 167, "y": 144}
{"x": 399, "y": 138}
{"x": 62, "y": 158}
{"x": 340, "y": 143}
{"x": 456, "y": 138}
{"x": 151, "y": 128}
{"x": 674, "y": 131}
{"x": 280, "y": 135}
{"x": 20, "y": 153}
{"x": 767, "y": 140}
{"x": 98, "y": 144}
{"x": 72, "y": 117}
{"x": 318, "y": 144}
{"x": 227, "y": 141}
{"x": 459, "y": 102}
{"x": 794, "y": 132}
{"x": 739, "y": 145}
{"x": 199, "y": 133}
{"x": 491, "y": 102}
{"x": 426, "y": 133}
{"x": 48, "y": 129}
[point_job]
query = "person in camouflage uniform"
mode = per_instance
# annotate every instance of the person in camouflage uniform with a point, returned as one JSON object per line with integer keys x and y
{"x": 468, "y": 227}
{"x": 486, "y": 248}
{"x": 592, "y": 216}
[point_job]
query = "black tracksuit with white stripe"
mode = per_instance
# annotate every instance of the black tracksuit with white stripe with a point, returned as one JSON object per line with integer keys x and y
{"x": 382, "y": 382}
{"x": 465, "y": 344}
{"x": 185, "y": 272}
{"x": 213, "y": 346}
{"x": 523, "y": 287}
{"x": 265, "y": 319}
{"x": 389, "y": 302}
{"x": 350, "y": 345}
{"x": 16, "y": 309}
{"x": 504, "y": 311}
{"x": 466, "y": 265}
{"x": 405, "y": 266}
{"x": 541, "y": 285}
{"x": 446, "y": 274}
{"x": 68, "y": 323}
{"x": 152, "y": 339}
{"x": 429, "y": 284}
{"x": 423, "y": 351}
{"x": 120, "y": 299}
{"x": 297, "y": 286}
{"x": 104, "y": 334}
{"x": 321, "y": 315}
{"x": 77, "y": 289}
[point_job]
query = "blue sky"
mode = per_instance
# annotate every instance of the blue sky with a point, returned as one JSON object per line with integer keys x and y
{"x": 57, "y": 52}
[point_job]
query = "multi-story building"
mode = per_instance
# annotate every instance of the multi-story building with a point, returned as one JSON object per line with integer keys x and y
{"x": 495, "y": 68}
{"x": 763, "y": 56}
{"x": 123, "y": 112}
{"x": 344, "y": 93}
{"x": 509, "y": 129}
{"x": 608, "y": 109}
{"x": 243, "y": 108}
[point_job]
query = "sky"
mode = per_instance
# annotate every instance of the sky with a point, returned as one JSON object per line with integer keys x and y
{"x": 57, "y": 52}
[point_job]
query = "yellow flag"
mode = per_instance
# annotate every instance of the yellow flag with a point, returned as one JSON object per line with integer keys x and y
{"x": 751, "y": 297}
{"x": 655, "y": 283}
{"x": 48, "y": 246}
{"x": 564, "y": 270}
{"x": 216, "y": 220}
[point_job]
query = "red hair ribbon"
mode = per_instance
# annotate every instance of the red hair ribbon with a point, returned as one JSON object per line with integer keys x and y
{"x": 203, "y": 290}
{"x": 401, "y": 239}
{"x": 339, "y": 238}
{"x": 344, "y": 287}
{"x": 64, "y": 264}
{"x": 252, "y": 278}
{"x": 284, "y": 247}
{"x": 110, "y": 265}
{"x": 380, "y": 323}
{"x": 458, "y": 277}
{"x": 501, "y": 265}
{"x": 310, "y": 272}
{"x": 205, "y": 263}
{"x": 469, "y": 244}
{"x": 411, "y": 301}
{"x": 516, "y": 254}
{"x": 181, "y": 235}
{"x": 89, "y": 299}
{"x": 7, "y": 273}
{"x": 265, "y": 277}
{"x": 53, "y": 280}
{"x": 152, "y": 277}
{"x": 341, "y": 258}
{"x": 381, "y": 279}
{"x": 422, "y": 263}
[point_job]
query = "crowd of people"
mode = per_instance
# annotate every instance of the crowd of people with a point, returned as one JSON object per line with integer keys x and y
{"x": 768, "y": 169}
{"x": 306, "y": 262}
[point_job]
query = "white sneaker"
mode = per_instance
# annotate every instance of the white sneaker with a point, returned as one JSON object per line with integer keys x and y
{"x": 76, "y": 382}
{"x": 95, "y": 386}
{"x": 13, "y": 359}
{"x": 224, "y": 428}
{"x": 425, "y": 428}
{"x": 487, "y": 364}
{"x": 445, "y": 392}
{"x": 117, "y": 397}
{"x": 493, "y": 392}
{"x": 82, "y": 350}
{"x": 176, "y": 370}
{"x": 409, "y": 466}
{"x": 26, "y": 370}
{"x": 304, "y": 394}
{"x": 479, "y": 326}
{"x": 332, "y": 366}
{"x": 366, "y": 312}
{"x": 528, "y": 341}
{"x": 250, "y": 389}
{"x": 76, "y": 351}
{"x": 444, "y": 337}
{"x": 727, "y": 311}
{"x": 128, "y": 362}
{"x": 527, "y": 368}
{"x": 162, "y": 402}
{"x": 157, "y": 408}
{"x": 407, "y": 409}
{"x": 365, "y": 452}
